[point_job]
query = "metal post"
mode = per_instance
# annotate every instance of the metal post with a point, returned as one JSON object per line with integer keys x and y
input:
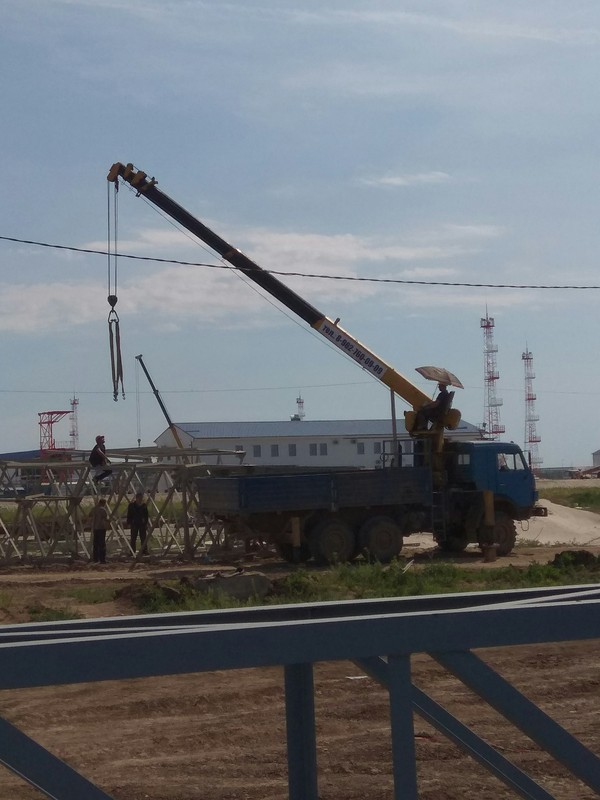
{"x": 395, "y": 447}
{"x": 301, "y": 739}
{"x": 187, "y": 544}
{"x": 403, "y": 735}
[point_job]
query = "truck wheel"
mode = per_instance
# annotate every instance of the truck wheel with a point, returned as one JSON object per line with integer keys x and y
{"x": 332, "y": 541}
{"x": 452, "y": 542}
{"x": 505, "y": 533}
{"x": 291, "y": 554}
{"x": 380, "y": 539}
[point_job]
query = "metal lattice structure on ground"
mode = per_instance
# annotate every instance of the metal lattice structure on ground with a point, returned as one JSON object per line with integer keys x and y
{"x": 45, "y": 507}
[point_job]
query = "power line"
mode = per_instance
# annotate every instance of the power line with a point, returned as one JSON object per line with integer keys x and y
{"x": 399, "y": 281}
{"x": 294, "y": 387}
{"x": 237, "y": 390}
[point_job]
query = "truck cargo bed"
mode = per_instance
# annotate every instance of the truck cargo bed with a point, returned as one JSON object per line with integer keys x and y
{"x": 304, "y": 491}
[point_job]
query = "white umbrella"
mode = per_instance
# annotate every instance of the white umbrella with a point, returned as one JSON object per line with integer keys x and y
{"x": 440, "y": 375}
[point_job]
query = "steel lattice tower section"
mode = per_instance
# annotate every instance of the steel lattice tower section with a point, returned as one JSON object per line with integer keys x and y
{"x": 531, "y": 439}
{"x": 74, "y": 426}
{"x": 491, "y": 407}
{"x": 48, "y": 448}
{"x": 46, "y": 423}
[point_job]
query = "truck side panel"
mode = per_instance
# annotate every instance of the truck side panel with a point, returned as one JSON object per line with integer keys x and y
{"x": 383, "y": 487}
{"x": 328, "y": 491}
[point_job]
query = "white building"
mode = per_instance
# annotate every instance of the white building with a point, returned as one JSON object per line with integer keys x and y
{"x": 304, "y": 443}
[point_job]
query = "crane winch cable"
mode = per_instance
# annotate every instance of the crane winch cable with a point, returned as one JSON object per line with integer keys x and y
{"x": 137, "y": 404}
{"x": 114, "y": 332}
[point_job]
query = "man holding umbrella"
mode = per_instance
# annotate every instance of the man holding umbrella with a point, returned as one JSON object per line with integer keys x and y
{"x": 436, "y": 410}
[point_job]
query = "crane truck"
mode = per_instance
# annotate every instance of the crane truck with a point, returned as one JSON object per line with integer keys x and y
{"x": 461, "y": 491}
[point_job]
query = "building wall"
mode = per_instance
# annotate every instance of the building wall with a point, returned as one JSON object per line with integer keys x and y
{"x": 314, "y": 451}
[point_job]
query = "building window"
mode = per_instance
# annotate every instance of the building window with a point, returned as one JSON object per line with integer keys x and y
{"x": 377, "y": 448}
{"x": 256, "y": 451}
{"x": 360, "y": 448}
{"x": 292, "y": 450}
{"x": 312, "y": 449}
{"x": 274, "y": 451}
{"x": 323, "y": 449}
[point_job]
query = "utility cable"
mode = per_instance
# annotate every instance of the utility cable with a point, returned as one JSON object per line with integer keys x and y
{"x": 320, "y": 276}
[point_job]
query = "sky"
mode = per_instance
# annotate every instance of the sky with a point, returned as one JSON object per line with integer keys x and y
{"x": 442, "y": 142}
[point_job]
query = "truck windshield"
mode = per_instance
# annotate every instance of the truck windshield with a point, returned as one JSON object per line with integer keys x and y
{"x": 511, "y": 461}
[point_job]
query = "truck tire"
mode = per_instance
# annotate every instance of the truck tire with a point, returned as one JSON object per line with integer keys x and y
{"x": 293, "y": 555}
{"x": 332, "y": 541}
{"x": 453, "y": 542}
{"x": 380, "y": 539}
{"x": 505, "y": 533}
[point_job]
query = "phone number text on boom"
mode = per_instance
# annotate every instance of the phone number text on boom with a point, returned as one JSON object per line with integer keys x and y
{"x": 349, "y": 346}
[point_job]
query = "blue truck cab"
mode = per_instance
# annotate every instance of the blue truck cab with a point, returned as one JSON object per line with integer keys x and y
{"x": 498, "y": 467}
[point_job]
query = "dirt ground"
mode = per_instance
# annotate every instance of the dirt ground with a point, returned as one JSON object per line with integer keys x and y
{"x": 221, "y": 735}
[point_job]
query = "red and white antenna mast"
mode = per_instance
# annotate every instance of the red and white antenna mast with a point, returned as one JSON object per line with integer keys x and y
{"x": 74, "y": 429}
{"x": 530, "y": 447}
{"x": 491, "y": 406}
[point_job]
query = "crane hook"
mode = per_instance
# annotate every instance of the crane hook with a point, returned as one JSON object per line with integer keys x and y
{"x": 114, "y": 338}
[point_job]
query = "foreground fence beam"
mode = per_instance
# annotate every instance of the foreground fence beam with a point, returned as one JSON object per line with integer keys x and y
{"x": 530, "y": 719}
{"x": 463, "y": 737}
{"x": 381, "y": 643}
{"x": 301, "y": 741}
{"x": 403, "y": 734}
{"x": 41, "y": 769}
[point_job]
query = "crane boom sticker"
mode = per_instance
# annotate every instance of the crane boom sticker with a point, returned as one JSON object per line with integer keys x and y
{"x": 352, "y": 347}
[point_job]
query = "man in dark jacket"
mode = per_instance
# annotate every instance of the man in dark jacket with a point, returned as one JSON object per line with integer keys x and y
{"x": 435, "y": 411}
{"x": 137, "y": 520}
{"x": 98, "y": 460}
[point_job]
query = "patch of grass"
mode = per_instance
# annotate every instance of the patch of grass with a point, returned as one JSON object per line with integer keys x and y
{"x": 573, "y": 497}
{"x": 173, "y": 596}
{"x": 527, "y": 543}
{"x": 368, "y": 581}
{"x": 41, "y": 613}
{"x": 89, "y": 594}
{"x": 6, "y": 600}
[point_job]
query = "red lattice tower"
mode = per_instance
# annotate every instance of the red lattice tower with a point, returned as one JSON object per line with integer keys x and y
{"x": 531, "y": 440}
{"x": 491, "y": 406}
{"x": 48, "y": 446}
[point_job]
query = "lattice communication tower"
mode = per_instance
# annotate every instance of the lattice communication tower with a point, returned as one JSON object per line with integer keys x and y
{"x": 299, "y": 415}
{"x": 491, "y": 406}
{"x": 74, "y": 426}
{"x": 531, "y": 439}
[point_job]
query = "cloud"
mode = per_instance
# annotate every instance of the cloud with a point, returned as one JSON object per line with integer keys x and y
{"x": 468, "y": 26}
{"x": 454, "y": 231}
{"x": 44, "y": 307}
{"x": 177, "y": 295}
{"x": 528, "y": 23}
{"x": 416, "y": 179}
{"x": 350, "y": 79}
